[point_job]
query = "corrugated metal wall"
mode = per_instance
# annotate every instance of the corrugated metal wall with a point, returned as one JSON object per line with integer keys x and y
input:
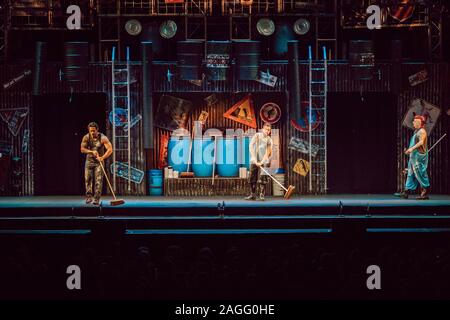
{"x": 434, "y": 91}
{"x": 20, "y": 177}
{"x": 386, "y": 79}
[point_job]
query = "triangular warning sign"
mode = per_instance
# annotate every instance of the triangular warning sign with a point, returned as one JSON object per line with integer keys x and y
{"x": 243, "y": 112}
{"x": 14, "y": 118}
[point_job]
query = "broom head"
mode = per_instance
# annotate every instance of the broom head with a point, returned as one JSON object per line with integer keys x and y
{"x": 117, "y": 202}
{"x": 186, "y": 175}
{"x": 289, "y": 192}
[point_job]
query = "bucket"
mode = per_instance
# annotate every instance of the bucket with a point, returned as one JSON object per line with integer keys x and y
{"x": 178, "y": 153}
{"x": 202, "y": 157}
{"x": 227, "y": 157}
{"x": 155, "y": 182}
{"x": 276, "y": 189}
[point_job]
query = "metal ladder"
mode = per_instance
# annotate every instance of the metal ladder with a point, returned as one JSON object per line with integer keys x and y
{"x": 318, "y": 86}
{"x": 121, "y": 96}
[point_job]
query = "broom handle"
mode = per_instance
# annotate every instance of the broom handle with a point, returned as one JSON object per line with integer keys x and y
{"x": 190, "y": 149}
{"x": 214, "y": 163}
{"x": 107, "y": 180}
{"x": 434, "y": 145}
{"x": 279, "y": 183}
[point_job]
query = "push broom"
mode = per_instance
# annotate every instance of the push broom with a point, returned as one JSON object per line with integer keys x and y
{"x": 115, "y": 201}
{"x": 289, "y": 191}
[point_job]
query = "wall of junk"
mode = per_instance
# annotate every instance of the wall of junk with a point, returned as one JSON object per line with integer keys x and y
{"x": 16, "y": 131}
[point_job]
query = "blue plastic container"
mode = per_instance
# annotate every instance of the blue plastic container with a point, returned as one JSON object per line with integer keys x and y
{"x": 155, "y": 182}
{"x": 227, "y": 157}
{"x": 202, "y": 157}
{"x": 178, "y": 153}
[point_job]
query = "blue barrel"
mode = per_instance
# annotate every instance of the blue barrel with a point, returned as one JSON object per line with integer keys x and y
{"x": 227, "y": 157}
{"x": 203, "y": 157}
{"x": 155, "y": 182}
{"x": 245, "y": 152}
{"x": 178, "y": 153}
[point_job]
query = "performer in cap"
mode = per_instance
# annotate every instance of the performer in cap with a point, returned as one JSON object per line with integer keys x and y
{"x": 418, "y": 161}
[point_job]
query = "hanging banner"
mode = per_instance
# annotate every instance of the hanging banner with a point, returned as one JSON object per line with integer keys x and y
{"x": 172, "y": 113}
{"x": 422, "y": 108}
{"x": 267, "y": 79}
{"x": 418, "y": 78}
{"x": 14, "y": 118}
{"x": 302, "y": 146}
{"x": 301, "y": 167}
{"x": 12, "y": 82}
{"x": 122, "y": 171}
{"x": 242, "y": 112}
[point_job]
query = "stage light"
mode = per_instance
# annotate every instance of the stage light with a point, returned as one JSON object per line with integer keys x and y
{"x": 133, "y": 27}
{"x": 301, "y": 26}
{"x": 168, "y": 29}
{"x": 265, "y": 27}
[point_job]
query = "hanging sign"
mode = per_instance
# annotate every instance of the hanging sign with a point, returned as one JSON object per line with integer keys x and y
{"x": 243, "y": 112}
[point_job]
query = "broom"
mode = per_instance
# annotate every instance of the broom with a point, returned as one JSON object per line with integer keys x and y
{"x": 289, "y": 191}
{"x": 188, "y": 174}
{"x": 115, "y": 201}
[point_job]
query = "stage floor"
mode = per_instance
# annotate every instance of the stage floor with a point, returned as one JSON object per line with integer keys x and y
{"x": 224, "y": 215}
{"x": 331, "y": 201}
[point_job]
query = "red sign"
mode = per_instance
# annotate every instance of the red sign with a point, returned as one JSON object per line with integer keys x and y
{"x": 243, "y": 112}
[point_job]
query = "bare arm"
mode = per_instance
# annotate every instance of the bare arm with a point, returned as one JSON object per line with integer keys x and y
{"x": 108, "y": 146}
{"x": 422, "y": 138}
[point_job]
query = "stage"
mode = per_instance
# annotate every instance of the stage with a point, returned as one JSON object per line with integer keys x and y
{"x": 225, "y": 215}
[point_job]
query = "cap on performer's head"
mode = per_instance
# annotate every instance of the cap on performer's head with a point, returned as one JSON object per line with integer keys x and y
{"x": 422, "y": 120}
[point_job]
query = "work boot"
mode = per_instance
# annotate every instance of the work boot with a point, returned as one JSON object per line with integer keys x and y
{"x": 262, "y": 192}
{"x": 88, "y": 199}
{"x": 423, "y": 194}
{"x": 252, "y": 196}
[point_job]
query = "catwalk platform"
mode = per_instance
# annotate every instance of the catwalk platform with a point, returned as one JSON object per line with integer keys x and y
{"x": 225, "y": 215}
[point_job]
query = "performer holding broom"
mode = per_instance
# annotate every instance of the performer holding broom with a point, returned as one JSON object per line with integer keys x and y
{"x": 93, "y": 145}
{"x": 260, "y": 154}
{"x": 418, "y": 161}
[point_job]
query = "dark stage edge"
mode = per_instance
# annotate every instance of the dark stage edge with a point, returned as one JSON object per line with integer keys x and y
{"x": 225, "y": 215}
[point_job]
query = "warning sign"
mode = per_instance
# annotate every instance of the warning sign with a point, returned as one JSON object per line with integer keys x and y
{"x": 243, "y": 112}
{"x": 301, "y": 167}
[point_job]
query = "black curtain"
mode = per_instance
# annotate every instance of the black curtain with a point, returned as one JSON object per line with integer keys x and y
{"x": 60, "y": 121}
{"x": 362, "y": 143}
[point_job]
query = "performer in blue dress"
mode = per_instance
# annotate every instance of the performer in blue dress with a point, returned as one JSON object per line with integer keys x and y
{"x": 418, "y": 161}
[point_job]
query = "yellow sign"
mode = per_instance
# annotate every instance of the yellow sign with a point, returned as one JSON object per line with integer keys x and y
{"x": 301, "y": 167}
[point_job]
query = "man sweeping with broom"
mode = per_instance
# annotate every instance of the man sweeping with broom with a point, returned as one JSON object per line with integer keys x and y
{"x": 260, "y": 154}
{"x": 93, "y": 145}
